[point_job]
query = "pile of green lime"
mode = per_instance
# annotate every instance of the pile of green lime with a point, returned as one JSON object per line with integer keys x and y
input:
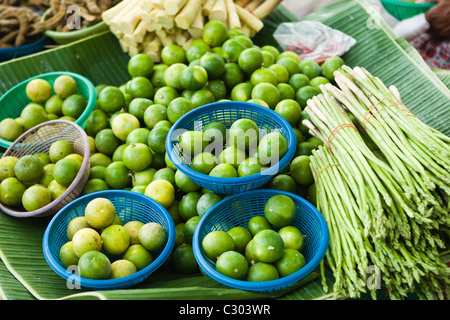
{"x": 257, "y": 252}
{"x": 47, "y": 102}
{"x": 101, "y": 236}
{"x": 35, "y": 180}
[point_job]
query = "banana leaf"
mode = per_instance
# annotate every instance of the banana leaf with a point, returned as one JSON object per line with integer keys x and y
{"x": 24, "y": 273}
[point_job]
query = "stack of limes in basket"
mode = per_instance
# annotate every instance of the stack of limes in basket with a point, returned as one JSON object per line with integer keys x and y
{"x": 35, "y": 180}
{"x": 129, "y": 125}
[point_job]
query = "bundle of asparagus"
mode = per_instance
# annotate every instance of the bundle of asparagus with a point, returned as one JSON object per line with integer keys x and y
{"x": 148, "y": 25}
{"x": 383, "y": 185}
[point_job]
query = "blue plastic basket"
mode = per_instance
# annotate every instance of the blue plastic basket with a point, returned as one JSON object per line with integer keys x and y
{"x": 15, "y": 99}
{"x": 227, "y": 112}
{"x": 237, "y": 210}
{"x": 129, "y": 206}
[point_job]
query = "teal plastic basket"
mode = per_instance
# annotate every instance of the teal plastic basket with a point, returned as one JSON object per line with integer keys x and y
{"x": 402, "y": 10}
{"x": 129, "y": 206}
{"x": 15, "y": 99}
{"x": 237, "y": 210}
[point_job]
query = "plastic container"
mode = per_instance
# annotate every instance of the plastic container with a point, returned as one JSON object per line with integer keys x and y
{"x": 70, "y": 36}
{"x": 15, "y": 99}
{"x": 129, "y": 206}
{"x": 39, "y": 139}
{"x": 237, "y": 210}
{"x": 30, "y": 48}
{"x": 227, "y": 112}
{"x": 402, "y": 10}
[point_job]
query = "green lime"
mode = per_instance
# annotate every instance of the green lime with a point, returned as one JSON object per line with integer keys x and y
{"x": 133, "y": 227}
{"x": 215, "y": 131}
{"x": 268, "y": 58}
{"x": 206, "y": 202}
{"x": 213, "y": 63}
{"x": 143, "y": 177}
{"x": 177, "y": 108}
{"x": 283, "y": 182}
{"x": 137, "y": 156}
{"x": 115, "y": 239}
{"x": 241, "y": 237}
{"x": 251, "y": 59}
{"x": 74, "y": 105}
{"x": 36, "y": 197}
{"x": 267, "y": 246}
{"x": 122, "y": 268}
{"x": 38, "y": 90}
{"x": 85, "y": 240}
{"x": 217, "y": 87}
{"x": 318, "y": 81}
{"x": 123, "y": 124}
{"x": 11, "y": 191}
{"x": 185, "y": 183}
{"x": 257, "y": 224}
{"x": 193, "y": 77}
{"x": 232, "y": 264}
{"x": 246, "y": 41}
{"x": 111, "y": 99}
{"x": 272, "y": 49}
{"x": 232, "y": 155}
{"x": 100, "y": 213}
{"x": 272, "y": 147}
{"x": 235, "y": 32}
{"x": 154, "y": 114}
{"x": 290, "y": 110}
{"x": 99, "y": 159}
{"x": 331, "y": 65}
{"x": 232, "y": 75}
{"x": 192, "y": 142}
{"x": 280, "y": 210}
{"x": 174, "y": 211}
{"x": 138, "y": 255}
{"x": 10, "y": 129}
{"x": 152, "y": 236}
{"x": 261, "y": 271}
{"x": 117, "y": 175}
{"x": 47, "y": 176}
{"x": 305, "y": 148}
{"x": 292, "y": 238}
{"x": 280, "y": 71}
{"x": 268, "y": 93}
{"x": 32, "y": 115}
{"x": 300, "y": 170}
{"x": 248, "y": 253}
{"x": 259, "y": 101}
{"x": 289, "y": 54}
{"x": 172, "y": 76}
{"x": 304, "y": 94}
{"x": 301, "y": 127}
{"x": 106, "y": 142}
{"x": 224, "y": 170}
{"x": 217, "y": 242}
{"x": 189, "y": 228}
{"x": 165, "y": 174}
{"x": 140, "y": 65}
{"x": 94, "y": 265}
{"x": 204, "y": 162}
{"x": 94, "y": 185}
{"x": 291, "y": 261}
{"x": 242, "y": 91}
{"x": 244, "y": 134}
{"x": 138, "y": 135}
{"x": 312, "y": 194}
{"x": 164, "y": 95}
{"x": 262, "y": 75}
{"x": 197, "y": 49}
{"x": 286, "y": 91}
{"x": 291, "y": 65}
{"x": 29, "y": 168}
{"x": 172, "y": 54}
{"x": 162, "y": 191}
{"x": 215, "y": 32}
{"x": 157, "y": 77}
{"x": 59, "y": 150}
{"x": 140, "y": 87}
{"x": 118, "y": 153}
{"x": 56, "y": 189}
{"x": 299, "y": 80}
{"x": 54, "y": 105}
{"x": 188, "y": 205}
{"x": 232, "y": 49}
{"x": 310, "y": 68}
{"x": 97, "y": 121}
{"x": 157, "y": 138}
{"x": 183, "y": 259}
{"x": 67, "y": 256}
{"x": 250, "y": 166}
{"x": 202, "y": 97}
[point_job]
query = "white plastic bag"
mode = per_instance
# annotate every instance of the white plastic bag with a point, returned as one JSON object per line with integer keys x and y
{"x": 312, "y": 40}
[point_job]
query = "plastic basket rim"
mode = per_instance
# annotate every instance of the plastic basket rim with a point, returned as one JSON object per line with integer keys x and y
{"x": 109, "y": 283}
{"x": 69, "y": 190}
{"x": 262, "y": 286}
{"x": 410, "y": 5}
{"x": 79, "y": 121}
{"x": 281, "y": 164}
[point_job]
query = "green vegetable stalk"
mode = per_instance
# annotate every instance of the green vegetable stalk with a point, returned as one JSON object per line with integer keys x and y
{"x": 383, "y": 185}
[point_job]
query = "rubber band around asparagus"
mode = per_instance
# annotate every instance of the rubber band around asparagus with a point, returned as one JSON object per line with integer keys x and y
{"x": 366, "y": 119}
{"x": 324, "y": 168}
{"x": 335, "y": 131}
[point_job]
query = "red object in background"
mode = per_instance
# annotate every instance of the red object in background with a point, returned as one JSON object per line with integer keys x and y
{"x": 434, "y": 50}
